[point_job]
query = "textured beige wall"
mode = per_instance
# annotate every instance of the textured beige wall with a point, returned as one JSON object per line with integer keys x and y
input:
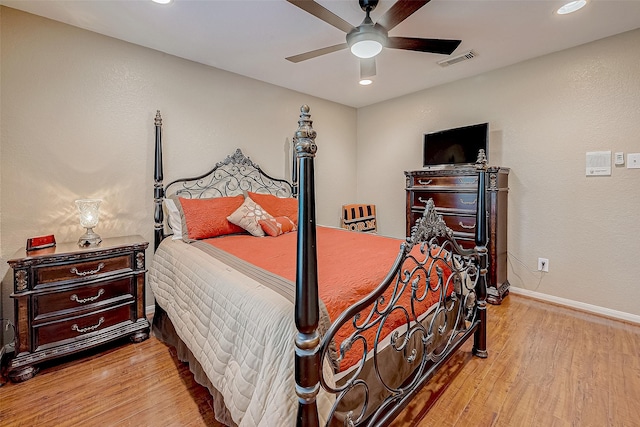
{"x": 544, "y": 115}
{"x": 77, "y": 121}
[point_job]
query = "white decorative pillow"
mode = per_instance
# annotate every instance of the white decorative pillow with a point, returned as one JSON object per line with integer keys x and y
{"x": 175, "y": 221}
{"x": 248, "y": 215}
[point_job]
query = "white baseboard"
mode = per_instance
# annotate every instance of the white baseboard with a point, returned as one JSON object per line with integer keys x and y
{"x": 602, "y": 311}
{"x": 150, "y": 309}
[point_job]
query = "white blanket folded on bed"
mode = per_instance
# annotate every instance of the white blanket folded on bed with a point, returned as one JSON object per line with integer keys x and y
{"x": 240, "y": 331}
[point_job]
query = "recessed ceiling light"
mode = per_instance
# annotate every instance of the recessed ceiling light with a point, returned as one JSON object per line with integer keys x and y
{"x": 571, "y": 7}
{"x": 366, "y": 82}
{"x": 162, "y": 1}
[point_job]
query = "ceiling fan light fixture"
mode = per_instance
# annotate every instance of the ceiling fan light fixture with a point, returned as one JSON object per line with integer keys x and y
{"x": 571, "y": 7}
{"x": 366, "y": 48}
{"x": 365, "y": 41}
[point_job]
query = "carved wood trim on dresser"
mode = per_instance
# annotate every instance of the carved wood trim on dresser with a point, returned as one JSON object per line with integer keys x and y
{"x": 68, "y": 299}
{"x": 453, "y": 190}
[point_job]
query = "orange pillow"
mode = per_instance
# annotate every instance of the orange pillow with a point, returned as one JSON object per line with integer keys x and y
{"x": 277, "y": 206}
{"x": 205, "y": 218}
{"x": 277, "y": 226}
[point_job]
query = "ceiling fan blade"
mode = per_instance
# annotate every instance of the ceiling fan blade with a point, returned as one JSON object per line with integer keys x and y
{"x": 445, "y": 47}
{"x": 367, "y": 68}
{"x": 400, "y": 11}
{"x": 316, "y": 53}
{"x": 323, "y": 14}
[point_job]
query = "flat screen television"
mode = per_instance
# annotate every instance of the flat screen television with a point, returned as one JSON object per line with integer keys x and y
{"x": 455, "y": 146}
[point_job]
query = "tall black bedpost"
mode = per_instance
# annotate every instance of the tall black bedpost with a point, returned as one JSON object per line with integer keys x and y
{"x": 158, "y": 190}
{"x": 307, "y": 340}
{"x": 480, "y": 337}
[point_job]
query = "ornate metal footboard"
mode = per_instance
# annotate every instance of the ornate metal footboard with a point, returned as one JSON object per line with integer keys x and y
{"x": 430, "y": 262}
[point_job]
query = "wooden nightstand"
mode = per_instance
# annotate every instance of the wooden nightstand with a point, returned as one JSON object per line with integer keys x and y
{"x": 68, "y": 299}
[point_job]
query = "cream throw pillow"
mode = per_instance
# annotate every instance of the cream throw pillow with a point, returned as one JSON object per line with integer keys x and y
{"x": 248, "y": 215}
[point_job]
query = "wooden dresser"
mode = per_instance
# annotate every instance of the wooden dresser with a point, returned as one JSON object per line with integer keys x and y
{"x": 68, "y": 299}
{"x": 454, "y": 192}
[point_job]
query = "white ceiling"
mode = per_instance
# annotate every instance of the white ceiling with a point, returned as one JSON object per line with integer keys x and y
{"x": 252, "y": 38}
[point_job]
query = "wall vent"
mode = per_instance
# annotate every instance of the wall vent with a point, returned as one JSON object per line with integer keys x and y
{"x": 450, "y": 61}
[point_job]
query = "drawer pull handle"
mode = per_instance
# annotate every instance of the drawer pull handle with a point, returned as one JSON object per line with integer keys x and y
{"x": 74, "y": 297}
{"x": 468, "y": 180}
{"x": 468, "y": 227}
{"x": 85, "y": 273}
{"x": 421, "y": 182}
{"x": 473, "y": 202}
{"x": 75, "y": 327}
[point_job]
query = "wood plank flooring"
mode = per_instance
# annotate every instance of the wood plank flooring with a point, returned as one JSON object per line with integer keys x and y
{"x": 547, "y": 366}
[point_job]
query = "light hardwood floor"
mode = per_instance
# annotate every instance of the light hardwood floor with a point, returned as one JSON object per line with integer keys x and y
{"x": 547, "y": 366}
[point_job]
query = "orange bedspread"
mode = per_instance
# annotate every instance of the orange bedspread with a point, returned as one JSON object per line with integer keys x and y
{"x": 350, "y": 265}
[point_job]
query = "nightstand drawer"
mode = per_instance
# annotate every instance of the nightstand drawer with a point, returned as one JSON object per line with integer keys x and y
{"x": 82, "y": 297}
{"x": 82, "y": 270}
{"x": 82, "y": 327}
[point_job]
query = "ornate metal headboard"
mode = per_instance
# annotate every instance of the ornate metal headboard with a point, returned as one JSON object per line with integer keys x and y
{"x": 230, "y": 177}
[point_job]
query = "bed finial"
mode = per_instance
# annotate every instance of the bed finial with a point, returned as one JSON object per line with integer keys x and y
{"x": 305, "y": 137}
{"x": 158, "y": 119}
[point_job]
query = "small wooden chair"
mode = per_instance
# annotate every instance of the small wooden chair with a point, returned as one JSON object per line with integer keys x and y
{"x": 359, "y": 217}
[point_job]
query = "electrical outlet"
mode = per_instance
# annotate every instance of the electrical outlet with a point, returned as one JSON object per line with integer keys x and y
{"x": 543, "y": 264}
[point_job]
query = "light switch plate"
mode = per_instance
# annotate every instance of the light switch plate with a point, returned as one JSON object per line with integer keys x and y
{"x": 633, "y": 161}
{"x": 619, "y": 159}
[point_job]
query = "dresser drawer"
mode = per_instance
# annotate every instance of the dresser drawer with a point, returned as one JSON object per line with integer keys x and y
{"x": 82, "y": 270}
{"x": 461, "y": 223}
{"x": 444, "y": 200}
{"x": 82, "y": 327}
{"x": 444, "y": 181}
{"x": 464, "y": 236}
{"x": 82, "y": 297}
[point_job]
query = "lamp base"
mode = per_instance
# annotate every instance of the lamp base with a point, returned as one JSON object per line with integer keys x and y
{"x": 89, "y": 239}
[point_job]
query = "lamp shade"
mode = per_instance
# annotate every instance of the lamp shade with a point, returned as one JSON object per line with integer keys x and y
{"x": 89, "y": 211}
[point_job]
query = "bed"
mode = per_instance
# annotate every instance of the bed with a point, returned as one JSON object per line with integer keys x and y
{"x": 287, "y": 322}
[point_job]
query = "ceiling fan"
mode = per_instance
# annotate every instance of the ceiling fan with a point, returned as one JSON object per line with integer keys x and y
{"x": 367, "y": 39}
